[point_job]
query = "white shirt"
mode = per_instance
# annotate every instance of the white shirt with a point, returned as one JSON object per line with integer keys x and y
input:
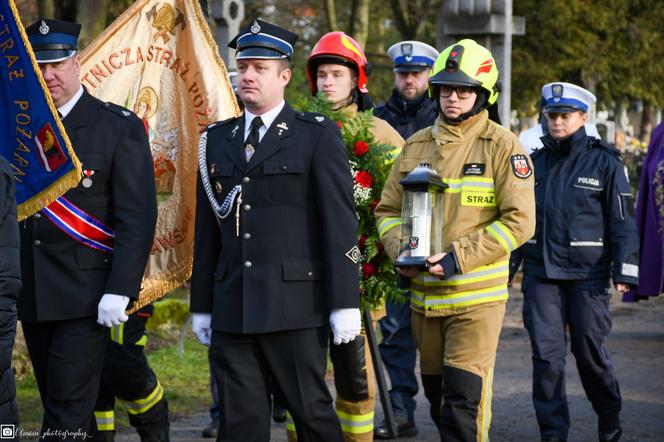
{"x": 268, "y": 118}
{"x": 68, "y": 106}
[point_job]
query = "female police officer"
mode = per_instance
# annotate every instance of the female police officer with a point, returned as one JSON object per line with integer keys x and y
{"x": 585, "y": 234}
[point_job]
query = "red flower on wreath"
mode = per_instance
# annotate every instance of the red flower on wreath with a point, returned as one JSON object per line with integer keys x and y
{"x": 369, "y": 269}
{"x": 362, "y": 241}
{"x": 364, "y": 179}
{"x": 373, "y": 205}
{"x": 360, "y": 148}
{"x": 339, "y": 124}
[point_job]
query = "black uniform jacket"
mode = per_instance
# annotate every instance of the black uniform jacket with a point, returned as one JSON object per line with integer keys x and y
{"x": 407, "y": 117}
{"x": 64, "y": 279}
{"x": 293, "y": 258}
{"x": 10, "y": 284}
{"x": 585, "y": 213}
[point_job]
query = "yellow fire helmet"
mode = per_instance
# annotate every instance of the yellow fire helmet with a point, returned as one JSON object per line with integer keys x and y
{"x": 466, "y": 63}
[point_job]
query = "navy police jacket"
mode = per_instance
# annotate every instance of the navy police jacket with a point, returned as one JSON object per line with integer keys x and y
{"x": 407, "y": 117}
{"x": 291, "y": 256}
{"x": 585, "y": 223}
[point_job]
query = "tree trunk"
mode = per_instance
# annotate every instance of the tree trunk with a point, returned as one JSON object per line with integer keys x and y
{"x": 331, "y": 15}
{"x": 400, "y": 20}
{"x": 646, "y": 121}
{"x": 92, "y": 18}
{"x": 359, "y": 26}
{"x": 46, "y": 8}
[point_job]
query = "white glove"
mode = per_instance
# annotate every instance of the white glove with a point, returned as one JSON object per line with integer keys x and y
{"x": 200, "y": 325}
{"x": 111, "y": 310}
{"x": 346, "y": 324}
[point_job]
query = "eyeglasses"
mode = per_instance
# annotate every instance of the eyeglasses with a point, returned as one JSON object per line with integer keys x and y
{"x": 462, "y": 92}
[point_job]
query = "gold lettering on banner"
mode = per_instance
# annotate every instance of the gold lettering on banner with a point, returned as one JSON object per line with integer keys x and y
{"x": 23, "y": 135}
{"x": 173, "y": 238}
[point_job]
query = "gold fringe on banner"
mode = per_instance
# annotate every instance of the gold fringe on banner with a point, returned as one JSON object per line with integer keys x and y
{"x": 70, "y": 179}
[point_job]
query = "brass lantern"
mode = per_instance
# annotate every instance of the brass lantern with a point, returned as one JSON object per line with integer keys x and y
{"x": 421, "y": 217}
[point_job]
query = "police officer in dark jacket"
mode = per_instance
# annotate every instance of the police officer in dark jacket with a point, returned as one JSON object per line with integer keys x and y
{"x": 10, "y": 284}
{"x": 79, "y": 277}
{"x": 585, "y": 235}
{"x": 275, "y": 249}
{"x": 409, "y": 108}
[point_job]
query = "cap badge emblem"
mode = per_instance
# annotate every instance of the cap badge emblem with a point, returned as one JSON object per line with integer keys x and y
{"x": 407, "y": 49}
{"x": 43, "y": 28}
{"x": 557, "y": 92}
{"x": 255, "y": 28}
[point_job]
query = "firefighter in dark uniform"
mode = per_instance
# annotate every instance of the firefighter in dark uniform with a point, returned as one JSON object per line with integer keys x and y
{"x": 128, "y": 377}
{"x": 585, "y": 235}
{"x": 80, "y": 277}
{"x": 275, "y": 254}
{"x": 408, "y": 110}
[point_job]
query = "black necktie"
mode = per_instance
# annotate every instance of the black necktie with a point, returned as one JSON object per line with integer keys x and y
{"x": 253, "y": 139}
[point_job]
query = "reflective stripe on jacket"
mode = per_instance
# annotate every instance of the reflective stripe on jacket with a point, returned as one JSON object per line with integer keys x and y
{"x": 489, "y": 210}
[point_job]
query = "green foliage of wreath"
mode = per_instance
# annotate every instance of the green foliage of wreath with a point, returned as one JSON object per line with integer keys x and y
{"x": 370, "y": 164}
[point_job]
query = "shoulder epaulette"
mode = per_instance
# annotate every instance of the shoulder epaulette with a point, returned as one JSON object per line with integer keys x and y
{"x": 311, "y": 117}
{"x": 536, "y": 152}
{"x": 422, "y": 135}
{"x": 119, "y": 110}
{"x": 595, "y": 142}
{"x": 221, "y": 123}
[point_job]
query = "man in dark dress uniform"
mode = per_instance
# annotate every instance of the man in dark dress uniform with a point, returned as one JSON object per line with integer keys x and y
{"x": 80, "y": 276}
{"x": 275, "y": 251}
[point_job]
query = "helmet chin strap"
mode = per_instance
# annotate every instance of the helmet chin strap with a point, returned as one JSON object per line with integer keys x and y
{"x": 479, "y": 106}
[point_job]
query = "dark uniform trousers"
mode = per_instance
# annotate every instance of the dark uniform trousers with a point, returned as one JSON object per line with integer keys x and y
{"x": 549, "y": 307}
{"x": 127, "y": 376}
{"x": 242, "y": 365}
{"x": 398, "y": 352}
{"x": 67, "y": 357}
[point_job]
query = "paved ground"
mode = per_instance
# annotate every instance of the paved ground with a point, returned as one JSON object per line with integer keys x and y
{"x": 637, "y": 348}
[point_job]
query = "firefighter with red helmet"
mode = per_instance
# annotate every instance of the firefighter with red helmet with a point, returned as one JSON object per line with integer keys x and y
{"x": 338, "y": 68}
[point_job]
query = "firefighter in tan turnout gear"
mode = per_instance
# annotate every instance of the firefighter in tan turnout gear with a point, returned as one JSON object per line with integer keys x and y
{"x": 489, "y": 210}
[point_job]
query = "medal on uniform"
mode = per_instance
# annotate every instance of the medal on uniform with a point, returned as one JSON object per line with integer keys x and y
{"x": 248, "y": 151}
{"x": 87, "y": 180}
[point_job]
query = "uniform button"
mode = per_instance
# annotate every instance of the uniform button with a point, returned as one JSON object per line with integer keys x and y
{"x": 38, "y": 215}
{"x": 246, "y": 179}
{"x": 310, "y": 274}
{"x": 284, "y": 167}
{"x": 247, "y": 235}
{"x": 247, "y": 264}
{"x": 37, "y": 242}
{"x": 247, "y": 207}
{"x": 105, "y": 259}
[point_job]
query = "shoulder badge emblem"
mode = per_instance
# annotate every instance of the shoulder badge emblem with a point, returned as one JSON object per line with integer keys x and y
{"x": 520, "y": 166}
{"x": 320, "y": 119}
